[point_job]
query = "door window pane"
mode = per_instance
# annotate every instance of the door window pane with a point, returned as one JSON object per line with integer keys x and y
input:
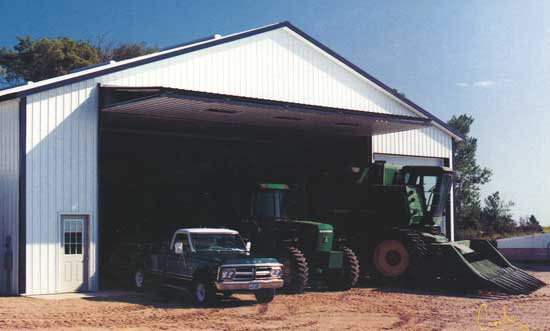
{"x": 72, "y": 236}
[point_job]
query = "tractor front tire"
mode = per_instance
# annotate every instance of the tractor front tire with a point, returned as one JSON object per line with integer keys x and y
{"x": 346, "y": 278}
{"x": 399, "y": 257}
{"x": 295, "y": 270}
{"x": 390, "y": 260}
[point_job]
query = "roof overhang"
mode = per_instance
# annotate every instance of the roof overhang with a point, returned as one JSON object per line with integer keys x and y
{"x": 184, "y": 105}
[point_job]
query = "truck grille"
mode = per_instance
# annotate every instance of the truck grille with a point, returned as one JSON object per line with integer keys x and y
{"x": 251, "y": 273}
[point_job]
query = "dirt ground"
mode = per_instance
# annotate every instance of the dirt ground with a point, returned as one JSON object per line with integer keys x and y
{"x": 358, "y": 309}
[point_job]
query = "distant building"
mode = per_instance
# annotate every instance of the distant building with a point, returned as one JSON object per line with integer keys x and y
{"x": 526, "y": 248}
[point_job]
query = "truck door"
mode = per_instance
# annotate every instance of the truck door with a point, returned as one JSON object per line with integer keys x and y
{"x": 177, "y": 262}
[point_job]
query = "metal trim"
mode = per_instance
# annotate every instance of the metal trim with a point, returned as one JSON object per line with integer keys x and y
{"x": 238, "y": 36}
{"x": 106, "y": 71}
{"x": 165, "y": 92}
{"x": 243, "y": 285}
{"x": 255, "y": 265}
{"x": 411, "y": 155}
{"x": 22, "y": 265}
{"x": 373, "y": 79}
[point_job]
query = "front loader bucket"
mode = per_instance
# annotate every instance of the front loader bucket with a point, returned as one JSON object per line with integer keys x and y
{"x": 482, "y": 266}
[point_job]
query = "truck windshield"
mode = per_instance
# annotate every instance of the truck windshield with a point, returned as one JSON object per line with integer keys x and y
{"x": 217, "y": 242}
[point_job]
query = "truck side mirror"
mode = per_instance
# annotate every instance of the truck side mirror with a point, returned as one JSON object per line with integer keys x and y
{"x": 248, "y": 246}
{"x": 178, "y": 247}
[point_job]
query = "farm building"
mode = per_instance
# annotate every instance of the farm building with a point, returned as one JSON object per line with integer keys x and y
{"x": 532, "y": 248}
{"x": 89, "y": 155}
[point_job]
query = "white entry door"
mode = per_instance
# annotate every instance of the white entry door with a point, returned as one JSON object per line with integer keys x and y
{"x": 74, "y": 254}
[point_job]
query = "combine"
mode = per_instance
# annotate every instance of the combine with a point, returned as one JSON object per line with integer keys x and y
{"x": 392, "y": 218}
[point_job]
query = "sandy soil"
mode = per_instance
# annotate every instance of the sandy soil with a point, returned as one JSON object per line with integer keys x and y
{"x": 358, "y": 309}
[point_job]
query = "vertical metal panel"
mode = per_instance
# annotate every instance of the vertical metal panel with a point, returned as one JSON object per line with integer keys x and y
{"x": 430, "y": 142}
{"x": 62, "y": 123}
{"x": 9, "y": 190}
{"x": 277, "y": 65}
{"x": 61, "y": 176}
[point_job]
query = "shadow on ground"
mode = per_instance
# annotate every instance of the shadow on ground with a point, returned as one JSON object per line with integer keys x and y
{"x": 174, "y": 299}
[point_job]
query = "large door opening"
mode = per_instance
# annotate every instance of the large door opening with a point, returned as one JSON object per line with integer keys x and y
{"x": 173, "y": 158}
{"x": 153, "y": 183}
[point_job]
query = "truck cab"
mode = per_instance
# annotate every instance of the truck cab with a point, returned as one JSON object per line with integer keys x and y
{"x": 211, "y": 261}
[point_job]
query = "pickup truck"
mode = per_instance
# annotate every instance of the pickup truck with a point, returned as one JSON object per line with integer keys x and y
{"x": 208, "y": 262}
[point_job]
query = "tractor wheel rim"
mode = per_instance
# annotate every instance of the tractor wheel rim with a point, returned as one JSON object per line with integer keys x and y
{"x": 138, "y": 279}
{"x": 200, "y": 292}
{"x": 391, "y": 258}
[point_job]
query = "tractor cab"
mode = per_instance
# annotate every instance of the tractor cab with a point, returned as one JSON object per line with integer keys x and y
{"x": 409, "y": 196}
{"x": 269, "y": 202}
{"x": 427, "y": 191}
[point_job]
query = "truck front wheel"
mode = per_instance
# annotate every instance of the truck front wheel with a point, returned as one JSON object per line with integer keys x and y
{"x": 265, "y": 295}
{"x": 295, "y": 270}
{"x": 203, "y": 293}
{"x": 138, "y": 280}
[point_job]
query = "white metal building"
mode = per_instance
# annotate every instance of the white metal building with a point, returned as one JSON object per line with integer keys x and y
{"x": 535, "y": 247}
{"x": 49, "y": 133}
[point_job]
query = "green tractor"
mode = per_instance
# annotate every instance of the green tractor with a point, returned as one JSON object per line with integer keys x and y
{"x": 306, "y": 249}
{"x": 393, "y": 218}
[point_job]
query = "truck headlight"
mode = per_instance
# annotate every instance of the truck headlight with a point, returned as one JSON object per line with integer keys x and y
{"x": 228, "y": 274}
{"x": 276, "y": 272}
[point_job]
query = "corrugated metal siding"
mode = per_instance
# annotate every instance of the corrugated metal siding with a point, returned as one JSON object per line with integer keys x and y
{"x": 9, "y": 189}
{"x": 277, "y": 65}
{"x": 430, "y": 142}
{"x": 62, "y": 125}
{"x": 61, "y": 176}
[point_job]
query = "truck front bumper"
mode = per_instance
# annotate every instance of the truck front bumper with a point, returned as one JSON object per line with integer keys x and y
{"x": 249, "y": 285}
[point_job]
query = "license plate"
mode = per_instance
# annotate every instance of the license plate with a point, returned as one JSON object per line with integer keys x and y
{"x": 253, "y": 286}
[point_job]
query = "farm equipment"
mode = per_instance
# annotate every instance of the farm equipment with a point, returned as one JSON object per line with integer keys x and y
{"x": 305, "y": 248}
{"x": 393, "y": 217}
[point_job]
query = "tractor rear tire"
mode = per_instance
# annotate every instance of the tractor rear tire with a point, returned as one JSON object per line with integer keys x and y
{"x": 295, "y": 270}
{"x": 346, "y": 278}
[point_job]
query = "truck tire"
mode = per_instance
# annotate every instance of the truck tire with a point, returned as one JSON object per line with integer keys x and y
{"x": 295, "y": 270}
{"x": 137, "y": 280}
{"x": 346, "y": 278}
{"x": 203, "y": 293}
{"x": 265, "y": 295}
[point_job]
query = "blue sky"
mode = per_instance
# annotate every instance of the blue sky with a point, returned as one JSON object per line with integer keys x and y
{"x": 490, "y": 59}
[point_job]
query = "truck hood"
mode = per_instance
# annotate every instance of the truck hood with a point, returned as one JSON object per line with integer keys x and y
{"x": 232, "y": 258}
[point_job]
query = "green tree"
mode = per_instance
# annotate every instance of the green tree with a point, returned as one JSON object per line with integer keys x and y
{"x": 469, "y": 176}
{"x": 530, "y": 225}
{"x": 124, "y": 51}
{"x": 496, "y": 215}
{"x": 34, "y": 60}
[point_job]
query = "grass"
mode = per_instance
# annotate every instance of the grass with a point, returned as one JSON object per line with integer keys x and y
{"x": 546, "y": 229}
